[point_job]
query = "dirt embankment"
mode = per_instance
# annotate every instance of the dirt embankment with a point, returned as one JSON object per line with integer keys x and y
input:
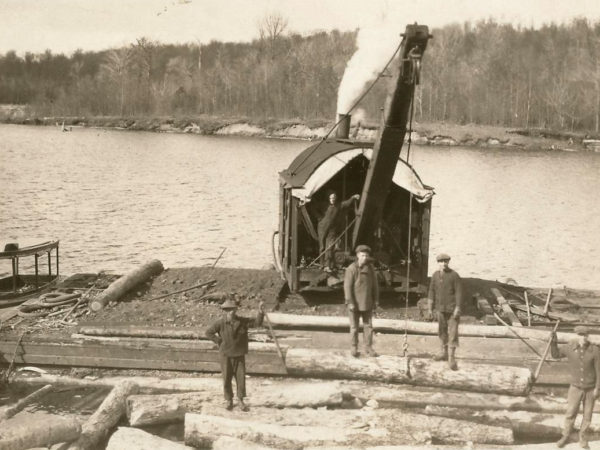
{"x": 425, "y": 133}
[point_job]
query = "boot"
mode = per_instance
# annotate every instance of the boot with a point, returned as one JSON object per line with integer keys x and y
{"x": 243, "y": 406}
{"x": 371, "y": 352}
{"x": 583, "y": 443}
{"x": 451, "y": 361}
{"x": 228, "y": 405}
{"x": 443, "y": 355}
{"x": 354, "y": 352}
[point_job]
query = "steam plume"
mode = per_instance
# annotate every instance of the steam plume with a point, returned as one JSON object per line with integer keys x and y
{"x": 375, "y": 45}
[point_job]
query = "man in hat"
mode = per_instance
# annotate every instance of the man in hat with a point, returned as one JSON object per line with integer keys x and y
{"x": 361, "y": 292}
{"x": 445, "y": 297}
{"x": 230, "y": 333}
{"x": 584, "y": 367}
{"x": 330, "y": 226}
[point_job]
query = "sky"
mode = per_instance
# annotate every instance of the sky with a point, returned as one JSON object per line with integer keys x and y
{"x": 66, "y": 25}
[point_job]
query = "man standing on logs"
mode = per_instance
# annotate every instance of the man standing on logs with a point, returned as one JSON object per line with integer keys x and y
{"x": 230, "y": 333}
{"x": 329, "y": 227}
{"x": 584, "y": 368}
{"x": 362, "y": 297}
{"x": 445, "y": 297}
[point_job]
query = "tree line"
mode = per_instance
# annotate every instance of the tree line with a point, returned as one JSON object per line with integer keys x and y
{"x": 482, "y": 73}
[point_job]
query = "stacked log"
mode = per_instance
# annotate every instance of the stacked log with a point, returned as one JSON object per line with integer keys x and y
{"x": 99, "y": 425}
{"x": 281, "y": 320}
{"x": 291, "y": 429}
{"x": 156, "y": 409}
{"x": 43, "y": 430}
{"x": 417, "y": 371}
{"x": 524, "y": 424}
{"x": 135, "y": 439}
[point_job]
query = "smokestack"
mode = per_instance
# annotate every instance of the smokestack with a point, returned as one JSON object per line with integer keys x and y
{"x": 343, "y": 129}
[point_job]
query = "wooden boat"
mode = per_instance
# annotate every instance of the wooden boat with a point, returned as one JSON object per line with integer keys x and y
{"x": 393, "y": 213}
{"x": 16, "y": 287}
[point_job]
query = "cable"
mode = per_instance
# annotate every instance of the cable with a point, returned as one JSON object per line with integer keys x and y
{"x": 354, "y": 105}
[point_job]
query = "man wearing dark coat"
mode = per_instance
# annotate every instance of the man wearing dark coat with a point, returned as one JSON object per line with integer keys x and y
{"x": 584, "y": 368}
{"x": 330, "y": 226}
{"x": 230, "y": 333}
{"x": 361, "y": 292}
{"x": 445, "y": 297}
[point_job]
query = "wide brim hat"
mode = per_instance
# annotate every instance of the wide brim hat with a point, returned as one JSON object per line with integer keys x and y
{"x": 229, "y": 304}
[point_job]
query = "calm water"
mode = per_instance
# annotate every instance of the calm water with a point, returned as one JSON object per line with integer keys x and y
{"x": 116, "y": 199}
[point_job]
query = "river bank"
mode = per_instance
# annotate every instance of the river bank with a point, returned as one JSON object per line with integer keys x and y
{"x": 425, "y": 133}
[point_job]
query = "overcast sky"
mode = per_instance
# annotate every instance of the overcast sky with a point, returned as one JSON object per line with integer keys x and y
{"x": 66, "y": 25}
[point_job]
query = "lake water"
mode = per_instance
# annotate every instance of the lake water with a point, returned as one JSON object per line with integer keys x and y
{"x": 116, "y": 199}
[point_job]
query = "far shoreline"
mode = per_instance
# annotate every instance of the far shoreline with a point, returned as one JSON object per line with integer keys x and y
{"x": 424, "y": 133}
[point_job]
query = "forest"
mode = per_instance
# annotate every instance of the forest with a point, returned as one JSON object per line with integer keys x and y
{"x": 479, "y": 73}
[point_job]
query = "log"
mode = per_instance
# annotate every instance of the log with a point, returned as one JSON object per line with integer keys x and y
{"x": 398, "y": 397}
{"x": 293, "y": 428}
{"x": 135, "y": 439}
{"x": 417, "y": 371}
{"x": 296, "y": 321}
{"x": 524, "y": 424}
{"x": 9, "y": 411}
{"x": 105, "y": 417}
{"x": 229, "y": 443}
{"x": 156, "y": 409}
{"x": 141, "y": 331}
{"x": 37, "y": 430}
{"x": 514, "y": 320}
{"x": 120, "y": 287}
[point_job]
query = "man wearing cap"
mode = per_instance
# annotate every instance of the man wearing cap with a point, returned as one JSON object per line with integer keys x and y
{"x": 362, "y": 297}
{"x": 445, "y": 297}
{"x": 584, "y": 367}
{"x": 329, "y": 227}
{"x": 230, "y": 333}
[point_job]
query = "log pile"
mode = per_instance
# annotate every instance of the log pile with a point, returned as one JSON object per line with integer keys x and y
{"x": 303, "y": 413}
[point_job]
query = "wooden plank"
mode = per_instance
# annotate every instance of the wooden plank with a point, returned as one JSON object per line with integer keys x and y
{"x": 514, "y": 320}
{"x": 537, "y": 311}
{"x": 133, "y": 355}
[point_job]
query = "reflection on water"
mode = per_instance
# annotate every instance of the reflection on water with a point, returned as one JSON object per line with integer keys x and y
{"x": 117, "y": 199}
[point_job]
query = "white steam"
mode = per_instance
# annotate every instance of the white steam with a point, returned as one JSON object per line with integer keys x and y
{"x": 375, "y": 45}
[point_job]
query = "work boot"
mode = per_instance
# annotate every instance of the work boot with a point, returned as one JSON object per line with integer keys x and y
{"x": 354, "y": 352}
{"x": 443, "y": 355}
{"x": 371, "y": 352}
{"x": 243, "y": 406}
{"x": 583, "y": 443}
{"x": 451, "y": 360}
{"x": 562, "y": 441}
{"x": 228, "y": 405}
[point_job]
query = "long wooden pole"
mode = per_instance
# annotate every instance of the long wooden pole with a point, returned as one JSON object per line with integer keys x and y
{"x": 528, "y": 309}
{"x": 517, "y": 334}
{"x": 546, "y": 350}
{"x": 279, "y": 352}
{"x": 547, "y": 301}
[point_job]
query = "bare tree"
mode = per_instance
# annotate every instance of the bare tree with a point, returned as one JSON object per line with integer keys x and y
{"x": 117, "y": 65}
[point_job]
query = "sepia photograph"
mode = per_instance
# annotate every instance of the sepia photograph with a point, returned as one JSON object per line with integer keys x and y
{"x": 299, "y": 224}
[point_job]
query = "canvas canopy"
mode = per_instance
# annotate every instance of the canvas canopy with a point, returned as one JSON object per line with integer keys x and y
{"x": 404, "y": 175}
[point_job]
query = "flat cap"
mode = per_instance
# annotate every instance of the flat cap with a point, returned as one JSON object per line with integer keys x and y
{"x": 363, "y": 248}
{"x": 443, "y": 256}
{"x": 580, "y": 329}
{"x": 229, "y": 304}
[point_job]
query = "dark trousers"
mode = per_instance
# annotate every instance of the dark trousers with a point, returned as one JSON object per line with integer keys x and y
{"x": 367, "y": 318}
{"x": 328, "y": 242}
{"x": 448, "y": 329}
{"x": 574, "y": 398}
{"x": 233, "y": 366}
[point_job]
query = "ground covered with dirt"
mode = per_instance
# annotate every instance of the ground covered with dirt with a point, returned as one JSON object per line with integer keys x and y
{"x": 172, "y": 299}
